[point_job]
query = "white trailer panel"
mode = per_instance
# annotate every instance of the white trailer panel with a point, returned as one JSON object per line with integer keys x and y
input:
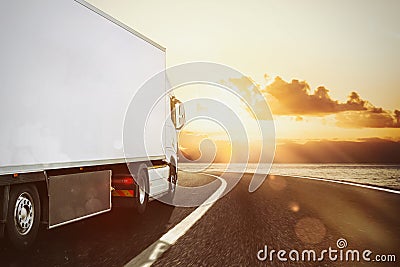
{"x": 67, "y": 76}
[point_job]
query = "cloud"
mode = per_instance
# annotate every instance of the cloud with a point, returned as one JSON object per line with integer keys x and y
{"x": 295, "y": 98}
{"x": 372, "y": 118}
{"x": 253, "y": 97}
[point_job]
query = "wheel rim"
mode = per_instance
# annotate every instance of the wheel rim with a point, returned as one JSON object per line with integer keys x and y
{"x": 142, "y": 190}
{"x": 24, "y": 213}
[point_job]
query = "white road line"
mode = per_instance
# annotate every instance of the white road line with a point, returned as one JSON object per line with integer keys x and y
{"x": 331, "y": 181}
{"x": 148, "y": 256}
{"x": 347, "y": 183}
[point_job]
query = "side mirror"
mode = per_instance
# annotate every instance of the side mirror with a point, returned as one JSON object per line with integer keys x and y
{"x": 179, "y": 115}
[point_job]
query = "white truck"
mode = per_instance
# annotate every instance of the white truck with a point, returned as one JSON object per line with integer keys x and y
{"x": 68, "y": 73}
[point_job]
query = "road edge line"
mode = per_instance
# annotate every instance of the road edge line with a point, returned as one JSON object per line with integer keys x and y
{"x": 372, "y": 187}
{"x": 344, "y": 182}
{"x": 153, "y": 252}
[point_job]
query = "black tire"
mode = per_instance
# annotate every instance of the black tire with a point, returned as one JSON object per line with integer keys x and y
{"x": 173, "y": 179}
{"x": 142, "y": 198}
{"x": 23, "y": 216}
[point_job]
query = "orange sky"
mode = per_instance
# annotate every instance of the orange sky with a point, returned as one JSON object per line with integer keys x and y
{"x": 307, "y": 117}
{"x": 329, "y": 70}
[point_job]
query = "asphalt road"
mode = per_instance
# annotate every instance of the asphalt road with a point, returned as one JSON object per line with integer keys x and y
{"x": 284, "y": 213}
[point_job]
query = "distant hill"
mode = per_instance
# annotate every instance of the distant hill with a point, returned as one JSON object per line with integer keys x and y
{"x": 372, "y": 150}
{"x": 364, "y": 151}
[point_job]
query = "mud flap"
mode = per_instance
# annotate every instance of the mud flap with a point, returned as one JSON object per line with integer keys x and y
{"x": 5, "y": 197}
{"x": 77, "y": 196}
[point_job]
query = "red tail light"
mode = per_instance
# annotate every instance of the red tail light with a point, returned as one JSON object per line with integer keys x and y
{"x": 122, "y": 181}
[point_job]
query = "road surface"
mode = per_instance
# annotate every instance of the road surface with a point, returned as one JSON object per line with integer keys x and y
{"x": 283, "y": 214}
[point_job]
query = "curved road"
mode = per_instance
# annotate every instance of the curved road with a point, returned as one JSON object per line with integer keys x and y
{"x": 283, "y": 214}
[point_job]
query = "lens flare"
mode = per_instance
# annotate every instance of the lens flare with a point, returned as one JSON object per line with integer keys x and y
{"x": 236, "y": 108}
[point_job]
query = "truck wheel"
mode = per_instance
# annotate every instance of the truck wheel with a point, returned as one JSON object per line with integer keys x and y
{"x": 23, "y": 216}
{"x": 142, "y": 198}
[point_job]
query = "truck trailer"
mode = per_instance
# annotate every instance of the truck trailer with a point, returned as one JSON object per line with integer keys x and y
{"x": 68, "y": 73}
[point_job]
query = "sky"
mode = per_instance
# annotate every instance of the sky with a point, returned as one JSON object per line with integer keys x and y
{"x": 328, "y": 69}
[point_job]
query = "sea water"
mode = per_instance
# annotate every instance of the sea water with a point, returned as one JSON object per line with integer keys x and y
{"x": 384, "y": 175}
